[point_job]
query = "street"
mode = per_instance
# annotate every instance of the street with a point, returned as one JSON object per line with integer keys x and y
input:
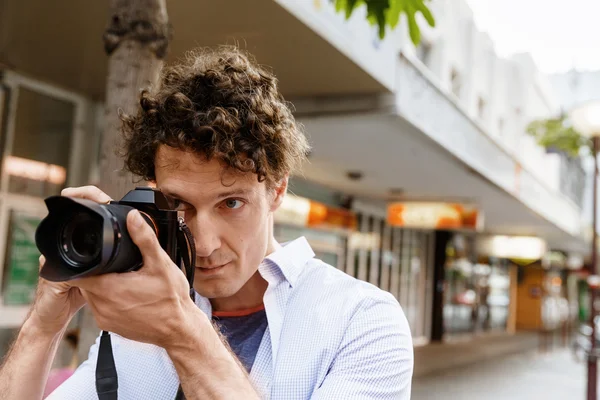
{"x": 550, "y": 376}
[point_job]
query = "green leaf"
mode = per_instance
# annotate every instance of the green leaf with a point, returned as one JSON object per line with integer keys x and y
{"x": 376, "y": 11}
{"x": 347, "y": 6}
{"x": 341, "y": 5}
{"x": 413, "y": 27}
{"x": 352, "y": 4}
{"x": 393, "y": 14}
{"x": 381, "y": 23}
{"x": 558, "y": 134}
{"x": 426, "y": 13}
{"x": 384, "y": 13}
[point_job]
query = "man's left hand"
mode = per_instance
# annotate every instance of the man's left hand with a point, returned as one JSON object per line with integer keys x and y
{"x": 149, "y": 305}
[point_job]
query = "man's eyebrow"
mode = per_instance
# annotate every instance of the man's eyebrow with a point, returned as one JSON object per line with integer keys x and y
{"x": 233, "y": 192}
{"x": 222, "y": 195}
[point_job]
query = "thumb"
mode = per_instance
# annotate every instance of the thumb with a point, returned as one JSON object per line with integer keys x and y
{"x": 143, "y": 236}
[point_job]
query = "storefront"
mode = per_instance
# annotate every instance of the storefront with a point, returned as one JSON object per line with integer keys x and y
{"x": 476, "y": 289}
{"x": 397, "y": 259}
{"x": 43, "y": 150}
{"x": 526, "y": 294}
{"x": 459, "y": 288}
{"x": 47, "y": 135}
{"x": 325, "y": 227}
{"x": 359, "y": 240}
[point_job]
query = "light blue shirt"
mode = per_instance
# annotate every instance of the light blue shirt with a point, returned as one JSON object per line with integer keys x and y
{"x": 329, "y": 336}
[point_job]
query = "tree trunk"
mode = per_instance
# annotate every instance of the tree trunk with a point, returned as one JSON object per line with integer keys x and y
{"x": 136, "y": 41}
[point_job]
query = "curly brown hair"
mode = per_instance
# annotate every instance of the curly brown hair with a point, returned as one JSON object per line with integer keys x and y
{"x": 217, "y": 103}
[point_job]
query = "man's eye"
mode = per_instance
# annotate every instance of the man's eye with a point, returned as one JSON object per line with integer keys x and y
{"x": 178, "y": 205}
{"x": 233, "y": 204}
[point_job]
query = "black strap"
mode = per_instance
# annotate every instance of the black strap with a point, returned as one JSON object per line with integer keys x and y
{"x": 187, "y": 249}
{"x": 180, "y": 395}
{"x": 106, "y": 373}
{"x": 107, "y": 382}
{"x": 188, "y": 255}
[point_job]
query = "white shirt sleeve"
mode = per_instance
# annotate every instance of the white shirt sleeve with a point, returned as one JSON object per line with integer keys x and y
{"x": 375, "y": 360}
{"x": 140, "y": 367}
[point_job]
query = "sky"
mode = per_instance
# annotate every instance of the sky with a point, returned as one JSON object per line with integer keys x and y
{"x": 559, "y": 34}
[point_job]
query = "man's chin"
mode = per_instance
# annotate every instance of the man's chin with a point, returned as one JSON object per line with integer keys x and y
{"x": 212, "y": 291}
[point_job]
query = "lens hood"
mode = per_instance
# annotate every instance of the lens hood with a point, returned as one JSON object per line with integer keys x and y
{"x": 59, "y": 267}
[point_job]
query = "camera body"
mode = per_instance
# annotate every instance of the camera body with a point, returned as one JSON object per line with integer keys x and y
{"x": 81, "y": 238}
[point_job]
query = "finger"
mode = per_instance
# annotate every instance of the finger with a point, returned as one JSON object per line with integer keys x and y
{"x": 144, "y": 237}
{"x": 87, "y": 192}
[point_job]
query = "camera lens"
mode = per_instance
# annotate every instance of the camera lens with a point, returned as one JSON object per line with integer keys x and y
{"x": 84, "y": 242}
{"x": 81, "y": 240}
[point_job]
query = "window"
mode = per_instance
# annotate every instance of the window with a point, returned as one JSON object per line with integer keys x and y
{"x": 455, "y": 82}
{"x": 481, "y": 108}
{"x": 42, "y": 140}
{"x": 424, "y": 52}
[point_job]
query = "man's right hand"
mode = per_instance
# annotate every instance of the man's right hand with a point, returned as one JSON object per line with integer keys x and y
{"x": 57, "y": 302}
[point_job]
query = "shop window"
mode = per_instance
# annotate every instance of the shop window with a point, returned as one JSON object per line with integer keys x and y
{"x": 41, "y": 147}
{"x": 476, "y": 294}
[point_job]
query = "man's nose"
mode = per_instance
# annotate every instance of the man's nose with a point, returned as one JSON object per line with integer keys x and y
{"x": 206, "y": 238}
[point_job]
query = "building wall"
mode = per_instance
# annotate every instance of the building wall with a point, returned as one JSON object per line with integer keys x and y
{"x": 501, "y": 95}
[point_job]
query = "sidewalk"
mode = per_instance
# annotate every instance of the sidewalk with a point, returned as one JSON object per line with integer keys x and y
{"x": 531, "y": 375}
{"x": 439, "y": 357}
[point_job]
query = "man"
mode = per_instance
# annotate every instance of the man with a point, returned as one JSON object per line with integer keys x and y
{"x": 218, "y": 139}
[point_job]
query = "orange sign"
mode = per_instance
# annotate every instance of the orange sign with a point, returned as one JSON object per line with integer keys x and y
{"x": 300, "y": 211}
{"x": 324, "y": 216}
{"x": 429, "y": 215}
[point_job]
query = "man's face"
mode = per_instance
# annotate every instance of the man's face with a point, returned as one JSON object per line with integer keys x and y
{"x": 229, "y": 213}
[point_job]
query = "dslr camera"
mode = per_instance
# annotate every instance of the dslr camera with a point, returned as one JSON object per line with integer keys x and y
{"x": 81, "y": 238}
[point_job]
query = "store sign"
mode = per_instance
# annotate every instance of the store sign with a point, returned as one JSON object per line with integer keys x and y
{"x": 516, "y": 248}
{"x": 22, "y": 260}
{"x": 429, "y": 215}
{"x": 303, "y": 212}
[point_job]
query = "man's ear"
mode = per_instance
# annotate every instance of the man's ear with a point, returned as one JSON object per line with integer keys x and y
{"x": 279, "y": 192}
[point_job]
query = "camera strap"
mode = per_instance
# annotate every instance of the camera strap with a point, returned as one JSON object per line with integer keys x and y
{"x": 106, "y": 372}
{"x": 187, "y": 249}
{"x": 107, "y": 383}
